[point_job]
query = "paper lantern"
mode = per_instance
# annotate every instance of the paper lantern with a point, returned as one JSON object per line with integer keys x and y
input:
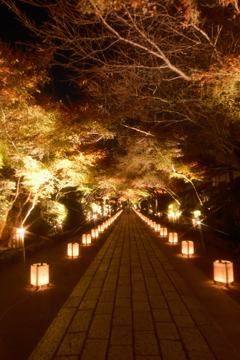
{"x": 100, "y": 228}
{"x": 19, "y": 237}
{"x": 157, "y": 227}
{"x": 187, "y": 247}
{"x": 163, "y": 231}
{"x": 86, "y": 239}
{"x": 73, "y": 249}
{"x": 223, "y": 271}
{"x": 39, "y": 274}
{"x": 173, "y": 237}
{"x": 94, "y": 233}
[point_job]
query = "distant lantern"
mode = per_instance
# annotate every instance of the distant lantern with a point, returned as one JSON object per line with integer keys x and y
{"x": 187, "y": 247}
{"x": 19, "y": 237}
{"x": 100, "y": 228}
{"x": 73, "y": 249}
{"x": 157, "y": 227}
{"x": 39, "y": 274}
{"x": 173, "y": 237}
{"x": 163, "y": 232}
{"x": 223, "y": 272}
{"x": 94, "y": 233}
{"x": 86, "y": 239}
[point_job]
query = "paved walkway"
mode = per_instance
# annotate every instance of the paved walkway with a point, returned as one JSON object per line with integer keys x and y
{"x": 131, "y": 304}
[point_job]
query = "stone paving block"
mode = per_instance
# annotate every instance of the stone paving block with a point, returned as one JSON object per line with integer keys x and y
{"x": 88, "y": 304}
{"x": 183, "y": 321}
{"x": 96, "y": 283}
{"x": 167, "y": 288}
{"x": 161, "y": 315}
{"x": 73, "y": 301}
{"x": 82, "y": 286}
{"x": 196, "y": 346}
{"x": 123, "y": 303}
{"x": 145, "y": 343}
{"x": 177, "y": 307}
{"x": 74, "y": 357}
{"x": 107, "y": 296}
{"x": 92, "y": 294}
{"x": 142, "y": 321}
{"x": 111, "y": 278}
{"x": 123, "y": 290}
{"x": 100, "y": 275}
{"x": 201, "y": 317}
{"x": 172, "y": 350}
{"x": 120, "y": 352}
{"x": 122, "y": 316}
{"x": 163, "y": 279}
{"x": 137, "y": 276}
{"x": 148, "y": 357}
{"x": 72, "y": 344}
{"x": 104, "y": 307}
{"x": 109, "y": 287}
{"x": 121, "y": 335}
{"x": 100, "y": 326}
{"x": 141, "y": 306}
{"x": 167, "y": 330}
{"x": 157, "y": 302}
{"x": 95, "y": 349}
{"x": 139, "y": 296}
{"x": 51, "y": 339}
{"x": 138, "y": 286}
{"x": 124, "y": 280}
{"x": 81, "y": 321}
{"x": 173, "y": 295}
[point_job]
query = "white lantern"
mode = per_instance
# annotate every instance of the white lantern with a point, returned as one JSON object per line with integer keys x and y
{"x": 94, "y": 233}
{"x": 157, "y": 227}
{"x": 39, "y": 274}
{"x": 19, "y": 237}
{"x": 163, "y": 232}
{"x": 86, "y": 239}
{"x": 173, "y": 237}
{"x": 187, "y": 247}
{"x": 73, "y": 249}
{"x": 100, "y": 228}
{"x": 223, "y": 271}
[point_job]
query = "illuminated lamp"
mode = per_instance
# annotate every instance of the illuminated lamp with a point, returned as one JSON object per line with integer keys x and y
{"x": 73, "y": 249}
{"x": 100, "y": 228}
{"x": 157, "y": 227}
{"x": 223, "y": 272}
{"x": 94, "y": 233}
{"x": 187, "y": 247}
{"x": 19, "y": 237}
{"x": 163, "y": 232}
{"x": 86, "y": 239}
{"x": 173, "y": 237}
{"x": 39, "y": 274}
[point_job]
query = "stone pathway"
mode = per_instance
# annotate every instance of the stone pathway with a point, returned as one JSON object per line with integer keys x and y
{"x": 132, "y": 305}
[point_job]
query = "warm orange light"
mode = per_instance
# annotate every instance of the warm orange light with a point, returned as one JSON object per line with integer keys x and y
{"x": 73, "y": 249}
{"x": 39, "y": 274}
{"x": 173, "y": 237}
{"x": 86, "y": 239}
{"x": 187, "y": 247}
{"x": 100, "y": 228}
{"x": 94, "y": 233}
{"x": 19, "y": 237}
{"x": 223, "y": 271}
{"x": 157, "y": 227}
{"x": 163, "y": 232}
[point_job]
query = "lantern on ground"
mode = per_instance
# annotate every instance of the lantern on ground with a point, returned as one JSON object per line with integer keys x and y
{"x": 19, "y": 237}
{"x": 73, "y": 249}
{"x": 157, "y": 227}
{"x": 187, "y": 247}
{"x": 173, "y": 237}
{"x": 100, "y": 228}
{"x": 39, "y": 274}
{"x": 94, "y": 233}
{"x": 223, "y": 272}
{"x": 86, "y": 239}
{"x": 163, "y": 232}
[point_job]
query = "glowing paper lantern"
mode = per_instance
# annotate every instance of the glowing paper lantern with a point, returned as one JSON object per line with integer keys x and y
{"x": 187, "y": 247}
{"x": 163, "y": 231}
{"x": 39, "y": 274}
{"x": 173, "y": 237}
{"x": 100, "y": 228}
{"x": 73, "y": 249}
{"x": 223, "y": 271}
{"x": 86, "y": 239}
{"x": 157, "y": 227}
{"x": 19, "y": 237}
{"x": 94, "y": 233}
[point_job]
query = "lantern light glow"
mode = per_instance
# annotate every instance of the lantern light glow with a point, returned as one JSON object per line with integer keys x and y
{"x": 223, "y": 272}
{"x": 187, "y": 247}
{"x": 39, "y": 274}
{"x": 73, "y": 249}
